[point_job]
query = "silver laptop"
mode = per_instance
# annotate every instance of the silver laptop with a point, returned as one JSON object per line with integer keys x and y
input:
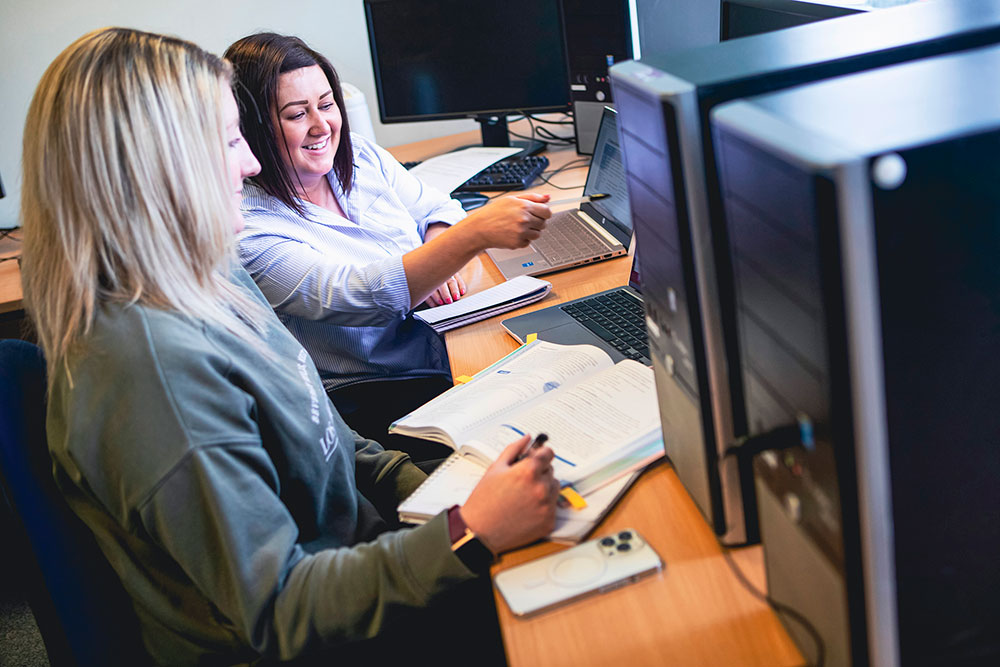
{"x": 597, "y": 230}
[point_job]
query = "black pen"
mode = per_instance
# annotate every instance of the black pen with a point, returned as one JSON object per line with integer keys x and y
{"x": 534, "y": 444}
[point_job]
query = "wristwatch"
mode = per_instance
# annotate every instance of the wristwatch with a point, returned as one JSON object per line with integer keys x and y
{"x": 470, "y": 549}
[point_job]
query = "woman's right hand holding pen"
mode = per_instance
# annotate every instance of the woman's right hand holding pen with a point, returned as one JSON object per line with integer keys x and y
{"x": 509, "y": 222}
{"x": 515, "y": 502}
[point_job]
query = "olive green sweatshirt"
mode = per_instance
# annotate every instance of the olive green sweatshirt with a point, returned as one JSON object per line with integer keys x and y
{"x": 242, "y": 515}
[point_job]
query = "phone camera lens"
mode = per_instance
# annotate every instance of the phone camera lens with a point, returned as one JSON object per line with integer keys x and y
{"x": 625, "y": 535}
{"x": 623, "y": 546}
{"x": 607, "y": 542}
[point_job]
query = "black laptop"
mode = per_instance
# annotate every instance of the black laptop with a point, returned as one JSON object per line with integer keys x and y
{"x": 613, "y": 320}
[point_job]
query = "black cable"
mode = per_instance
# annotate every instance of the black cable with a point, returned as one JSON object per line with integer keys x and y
{"x": 6, "y": 233}
{"x": 778, "y": 608}
{"x": 548, "y": 134}
{"x": 547, "y": 142}
{"x": 536, "y": 135}
{"x": 572, "y": 164}
{"x": 783, "y": 437}
{"x": 554, "y": 122}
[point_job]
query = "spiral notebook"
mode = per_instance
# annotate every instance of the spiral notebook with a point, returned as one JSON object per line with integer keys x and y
{"x": 449, "y": 484}
{"x": 453, "y": 481}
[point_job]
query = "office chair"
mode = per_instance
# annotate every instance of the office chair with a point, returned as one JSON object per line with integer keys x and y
{"x": 84, "y": 615}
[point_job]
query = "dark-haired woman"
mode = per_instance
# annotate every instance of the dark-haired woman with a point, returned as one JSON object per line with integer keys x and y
{"x": 344, "y": 242}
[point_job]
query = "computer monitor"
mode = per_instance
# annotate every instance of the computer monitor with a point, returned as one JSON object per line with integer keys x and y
{"x": 863, "y": 213}
{"x": 438, "y": 59}
{"x": 743, "y": 18}
{"x": 663, "y": 105}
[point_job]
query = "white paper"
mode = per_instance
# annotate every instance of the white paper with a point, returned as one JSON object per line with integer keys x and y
{"x": 470, "y": 303}
{"x": 447, "y": 172}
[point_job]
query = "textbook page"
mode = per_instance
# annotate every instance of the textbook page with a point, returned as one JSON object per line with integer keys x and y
{"x": 525, "y": 375}
{"x": 587, "y": 422}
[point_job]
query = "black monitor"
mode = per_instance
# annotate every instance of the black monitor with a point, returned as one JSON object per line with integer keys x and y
{"x": 742, "y": 18}
{"x": 439, "y": 59}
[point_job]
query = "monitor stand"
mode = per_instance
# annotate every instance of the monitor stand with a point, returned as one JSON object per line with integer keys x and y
{"x": 493, "y": 128}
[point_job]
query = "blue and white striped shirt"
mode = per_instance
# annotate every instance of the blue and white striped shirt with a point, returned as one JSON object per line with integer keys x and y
{"x": 338, "y": 283}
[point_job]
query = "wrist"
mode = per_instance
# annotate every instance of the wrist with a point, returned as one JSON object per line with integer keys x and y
{"x": 472, "y": 236}
{"x": 469, "y": 547}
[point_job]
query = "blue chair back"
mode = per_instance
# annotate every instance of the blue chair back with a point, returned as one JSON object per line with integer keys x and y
{"x": 82, "y": 610}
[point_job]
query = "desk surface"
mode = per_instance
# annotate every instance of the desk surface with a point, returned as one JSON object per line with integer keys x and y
{"x": 695, "y": 612}
{"x": 10, "y": 274}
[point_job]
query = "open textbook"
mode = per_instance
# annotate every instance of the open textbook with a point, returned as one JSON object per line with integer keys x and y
{"x": 601, "y": 419}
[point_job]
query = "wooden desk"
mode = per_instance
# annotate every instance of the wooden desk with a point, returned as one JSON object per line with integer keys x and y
{"x": 695, "y": 612}
{"x": 10, "y": 275}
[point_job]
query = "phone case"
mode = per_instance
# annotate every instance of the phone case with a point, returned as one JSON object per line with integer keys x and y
{"x": 594, "y": 566}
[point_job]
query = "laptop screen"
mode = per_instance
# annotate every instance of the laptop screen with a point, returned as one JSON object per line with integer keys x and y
{"x": 607, "y": 173}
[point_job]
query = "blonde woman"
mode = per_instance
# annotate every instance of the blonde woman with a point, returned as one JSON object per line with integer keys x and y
{"x": 188, "y": 429}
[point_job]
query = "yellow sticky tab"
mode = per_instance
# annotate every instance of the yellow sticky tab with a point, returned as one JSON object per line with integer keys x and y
{"x": 531, "y": 338}
{"x": 573, "y": 498}
{"x": 462, "y": 379}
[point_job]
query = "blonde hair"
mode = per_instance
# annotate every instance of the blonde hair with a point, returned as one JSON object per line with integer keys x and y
{"x": 125, "y": 196}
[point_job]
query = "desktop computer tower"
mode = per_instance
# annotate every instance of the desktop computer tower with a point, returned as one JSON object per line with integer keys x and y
{"x": 664, "y": 104}
{"x": 863, "y": 225}
{"x": 598, "y": 34}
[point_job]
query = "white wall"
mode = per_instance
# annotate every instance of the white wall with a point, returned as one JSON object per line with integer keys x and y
{"x": 33, "y": 32}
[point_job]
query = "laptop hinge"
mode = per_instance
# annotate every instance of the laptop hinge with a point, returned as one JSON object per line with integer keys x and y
{"x": 601, "y": 230}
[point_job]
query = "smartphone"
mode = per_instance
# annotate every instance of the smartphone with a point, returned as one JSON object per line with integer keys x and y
{"x": 595, "y": 566}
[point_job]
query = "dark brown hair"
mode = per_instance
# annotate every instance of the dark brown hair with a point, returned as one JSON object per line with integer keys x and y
{"x": 258, "y": 61}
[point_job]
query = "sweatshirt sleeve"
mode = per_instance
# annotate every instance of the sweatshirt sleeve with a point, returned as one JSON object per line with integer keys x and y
{"x": 385, "y": 477}
{"x": 215, "y": 457}
{"x": 218, "y": 514}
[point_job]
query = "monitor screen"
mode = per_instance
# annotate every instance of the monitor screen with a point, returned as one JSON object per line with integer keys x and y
{"x": 742, "y": 18}
{"x": 438, "y": 59}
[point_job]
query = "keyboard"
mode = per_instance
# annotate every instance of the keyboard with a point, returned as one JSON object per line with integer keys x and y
{"x": 516, "y": 173}
{"x": 616, "y": 317}
{"x": 567, "y": 239}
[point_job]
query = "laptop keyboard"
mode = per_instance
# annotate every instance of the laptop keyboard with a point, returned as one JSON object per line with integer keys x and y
{"x": 563, "y": 242}
{"x": 616, "y": 317}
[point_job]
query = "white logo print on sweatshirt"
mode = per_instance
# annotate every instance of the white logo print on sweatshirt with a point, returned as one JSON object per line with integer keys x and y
{"x": 328, "y": 443}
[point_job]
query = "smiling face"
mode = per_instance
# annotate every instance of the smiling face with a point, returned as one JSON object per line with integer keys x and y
{"x": 308, "y": 117}
{"x": 240, "y": 161}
